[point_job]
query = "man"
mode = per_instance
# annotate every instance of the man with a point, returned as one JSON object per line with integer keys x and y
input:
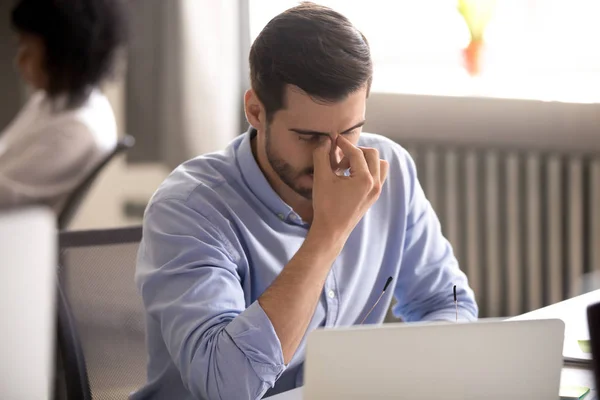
{"x": 296, "y": 225}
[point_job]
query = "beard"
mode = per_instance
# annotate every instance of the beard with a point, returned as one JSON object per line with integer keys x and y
{"x": 288, "y": 174}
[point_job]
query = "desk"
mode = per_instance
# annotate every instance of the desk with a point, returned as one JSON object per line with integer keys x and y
{"x": 572, "y": 312}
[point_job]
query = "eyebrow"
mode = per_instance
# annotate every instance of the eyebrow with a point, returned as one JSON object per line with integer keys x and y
{"x": 317, "y": 133}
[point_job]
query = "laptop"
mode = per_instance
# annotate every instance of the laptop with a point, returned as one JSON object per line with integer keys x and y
{"x": 492, "y": 360}
{"x": 28, "y": 274}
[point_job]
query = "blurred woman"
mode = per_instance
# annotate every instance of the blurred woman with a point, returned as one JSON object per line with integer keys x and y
{"x": 66, "y": 49}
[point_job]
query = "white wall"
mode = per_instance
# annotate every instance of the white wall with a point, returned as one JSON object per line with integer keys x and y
{"x": 118, "y": 183}
{"x": 486, "y": 122}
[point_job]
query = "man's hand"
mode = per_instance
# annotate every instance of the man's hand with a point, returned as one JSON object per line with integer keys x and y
{"x": 339, "y": 202}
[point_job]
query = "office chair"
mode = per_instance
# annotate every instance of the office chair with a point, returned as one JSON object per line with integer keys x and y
{"x": 75, "y": 199}
{"x": 71, "y": 381}
{"x": 101, "y": 334}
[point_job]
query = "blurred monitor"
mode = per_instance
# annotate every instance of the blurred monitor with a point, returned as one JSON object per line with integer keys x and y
{"x": 28, "y": 253}
{"x": 594, "y": 327}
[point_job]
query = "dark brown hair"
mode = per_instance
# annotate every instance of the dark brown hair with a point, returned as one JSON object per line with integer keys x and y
{"x": 314, "y": 48}
{"x": 81, "y": 38}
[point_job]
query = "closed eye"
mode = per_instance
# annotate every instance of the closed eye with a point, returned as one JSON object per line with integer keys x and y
{"x": 315, "y": 138}
{"x": 311, "y": 138}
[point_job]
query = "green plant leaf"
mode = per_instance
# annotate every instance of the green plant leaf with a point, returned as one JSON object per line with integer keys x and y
{"x": 477, "y": 15}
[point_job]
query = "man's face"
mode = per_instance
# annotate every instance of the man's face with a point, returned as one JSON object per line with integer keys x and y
{"x": 298, "y": 129}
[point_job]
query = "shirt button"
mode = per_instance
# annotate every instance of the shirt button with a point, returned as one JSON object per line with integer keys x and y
{"x": 331, "y": 294}
{"x": 294, "y": 217}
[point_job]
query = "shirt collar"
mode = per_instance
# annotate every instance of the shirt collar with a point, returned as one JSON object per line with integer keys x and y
{"x": 256, "y": 180}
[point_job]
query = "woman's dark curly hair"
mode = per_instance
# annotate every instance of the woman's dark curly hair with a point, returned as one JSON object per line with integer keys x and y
{"x": 81, "y": 38}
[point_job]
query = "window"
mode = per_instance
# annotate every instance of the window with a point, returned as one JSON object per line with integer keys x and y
{"x": 535, "y": 49}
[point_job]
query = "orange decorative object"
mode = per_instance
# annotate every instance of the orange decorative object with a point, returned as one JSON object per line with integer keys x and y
{"x": 477, "y": 15}
{"x": 472, "y": 57}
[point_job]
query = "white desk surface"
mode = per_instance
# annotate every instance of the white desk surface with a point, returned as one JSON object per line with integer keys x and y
{"x": 572, "y": 312}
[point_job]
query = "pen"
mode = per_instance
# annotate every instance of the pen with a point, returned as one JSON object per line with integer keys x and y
{"x": 387, "y": 283}
{"x": 456, "y": 303}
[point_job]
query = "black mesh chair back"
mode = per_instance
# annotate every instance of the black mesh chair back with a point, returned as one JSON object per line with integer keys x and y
{"x": 106, "y": 314}
{"x": 71, "y": 380}
{"x": 76, "y": 197}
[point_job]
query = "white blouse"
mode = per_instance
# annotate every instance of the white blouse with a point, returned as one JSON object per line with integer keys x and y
{"x": 45, "y": 152}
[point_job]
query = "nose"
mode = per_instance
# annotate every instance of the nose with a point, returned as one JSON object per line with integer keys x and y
{"x": 335, "y": 155}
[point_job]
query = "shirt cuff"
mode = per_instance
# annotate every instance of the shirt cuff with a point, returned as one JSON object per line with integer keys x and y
{"x": 253, "y": 333}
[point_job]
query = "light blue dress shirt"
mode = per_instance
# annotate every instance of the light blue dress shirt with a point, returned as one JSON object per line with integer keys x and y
{"x": 215, "y": 237}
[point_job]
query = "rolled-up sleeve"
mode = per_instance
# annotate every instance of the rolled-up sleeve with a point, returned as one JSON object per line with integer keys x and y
{"x": 429, "y": 269}
{"x": 191, "y": 285}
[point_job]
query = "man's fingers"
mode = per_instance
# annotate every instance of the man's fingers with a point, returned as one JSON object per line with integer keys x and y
{"x": 372, "y": 158}
{"x": 384, "y": 168}
{"x": 355, "y": 156}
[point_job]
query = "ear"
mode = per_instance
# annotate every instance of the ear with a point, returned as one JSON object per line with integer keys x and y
{"x": 255, "y": 112}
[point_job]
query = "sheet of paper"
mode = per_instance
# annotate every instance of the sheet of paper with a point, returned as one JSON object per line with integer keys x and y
{"x": 574, "y": 314}
{"x": 585, "y": 346}
{"x": 573, "y": 351}
{"x": 571, "y": 376}
{"x": 573, "y": 392}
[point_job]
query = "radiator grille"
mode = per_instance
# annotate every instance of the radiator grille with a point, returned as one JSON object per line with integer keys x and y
{"x": 525, "y": 226}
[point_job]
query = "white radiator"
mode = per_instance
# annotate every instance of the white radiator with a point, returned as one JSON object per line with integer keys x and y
{"x": 524, "y": 226}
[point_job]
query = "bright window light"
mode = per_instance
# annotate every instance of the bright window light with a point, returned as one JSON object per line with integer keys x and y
{"x": 534, "y": 49}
